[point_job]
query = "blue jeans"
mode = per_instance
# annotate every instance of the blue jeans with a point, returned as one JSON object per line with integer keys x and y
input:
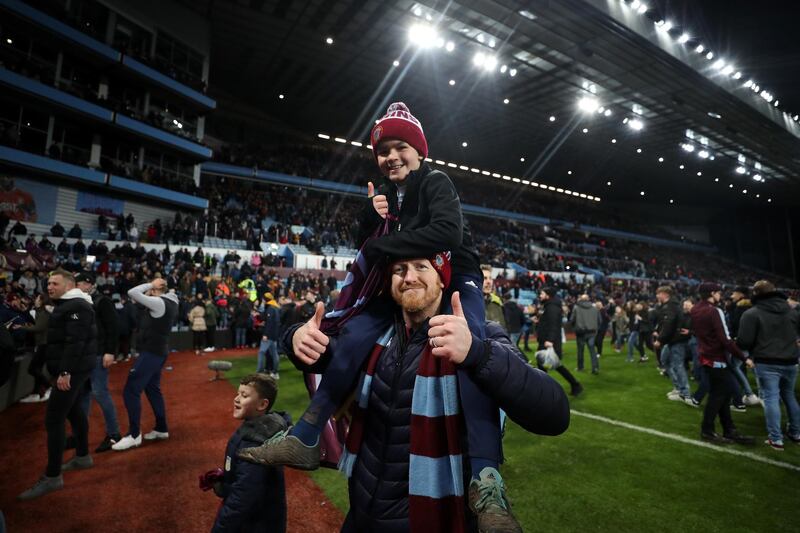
{"x": 145, "y": 375}
{"x": 98, "y": 381}
{"x": 741, "y": 379}
{"x": 515, "y": 337}
{"x": 270, "y": 346}
{"x": 587, "y": 340}
{"x": 673, "y": 361}
{"x": 633, "y": 340}
{"x": 241, "y": 336}
{"x": 776, "y": 383}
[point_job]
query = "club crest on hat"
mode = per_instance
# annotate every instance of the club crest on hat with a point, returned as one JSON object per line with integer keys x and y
{"x": 439, "y": 260}
{"x": 376, "y": 134}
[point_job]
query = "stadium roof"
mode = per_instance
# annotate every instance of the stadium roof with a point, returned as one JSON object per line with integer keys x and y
{"x": 545, "y": 91}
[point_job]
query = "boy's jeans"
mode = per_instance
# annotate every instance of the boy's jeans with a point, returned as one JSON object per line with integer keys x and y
{"x": 99, "y": 383}
{"x": 633, "y": 340}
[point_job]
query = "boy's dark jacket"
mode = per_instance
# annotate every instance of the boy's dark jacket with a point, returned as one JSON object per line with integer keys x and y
{"x": 255, "y": 495}
{"x": 430, "y": 221}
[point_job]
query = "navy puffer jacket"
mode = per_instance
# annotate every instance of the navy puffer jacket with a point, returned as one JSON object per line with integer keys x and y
{"x": 378, "y": 487}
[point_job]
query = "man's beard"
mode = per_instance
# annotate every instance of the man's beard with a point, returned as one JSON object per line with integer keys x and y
{"x": 414, "y": 301}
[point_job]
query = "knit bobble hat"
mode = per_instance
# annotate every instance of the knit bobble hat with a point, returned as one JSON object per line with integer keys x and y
{"x": 441, "y": 264}
{"x": 399, "y": 123}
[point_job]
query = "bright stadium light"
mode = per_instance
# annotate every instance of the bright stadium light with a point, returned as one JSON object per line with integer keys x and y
{"x": 740, "y": 170}
{"x": 450, "y": 46}
{"x": 479, "y": 59}
{"x": 688, "y": 147}
{"x": 710, "y": 56}
{"x": 607, "y": 112}
{"x": 703, "y": 153}
{"x": 588, "y": 104}
{"x": 758, "y": 177}
{"x": 728, "y": 70}
{"x": 642, "y": 9}
{"x": 700, "y": 49}
{"x": 452, "y": 82}
{"x": 512, "y": 72}
{"x": 684, "y": 38}
{"x": 423, "y": 35}
{"x": 737, "y": 75}
{"x": 636, "y": 124}
{"x": 718, "y": 64}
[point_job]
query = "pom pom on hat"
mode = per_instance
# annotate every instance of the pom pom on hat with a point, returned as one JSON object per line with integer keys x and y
{"x": 399, "y": 123}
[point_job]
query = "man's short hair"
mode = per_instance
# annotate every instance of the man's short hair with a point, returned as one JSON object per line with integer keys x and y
{"x": 763, "y": 287}
{"x": 486, "y": 267}
{"x": 68, "y": 276}
{"x": 666, "y": 289}
{"x": 265, "y": 386}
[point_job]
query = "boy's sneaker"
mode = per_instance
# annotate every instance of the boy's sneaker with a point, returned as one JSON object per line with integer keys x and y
{"x": 42, "y": 487}
{"x": 78, "y": 463}
{"x": 694, "y": 402}
{"x": 688, "y": 400}
{"x": 209, "y": 349}
{"x": 107, "y": 443}
{"x": 675, "y": 396}
{"x": 738, "y": 408}
{"x": 36, "y": 397}
{"x": 284, "y": 449}
{"x": 487, "y": 499}
{"x": 127, "y": 443}
{"x": 778, "y": 446}
{"x": 644, "y": 359}
{"x": 156, "y": 435}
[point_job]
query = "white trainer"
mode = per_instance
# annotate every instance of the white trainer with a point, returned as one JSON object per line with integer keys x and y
{"x": 35, "y": 398}
{"x": 156, "y": 435}
{"x": 127, "y": 442}
{"x": 751, "y": 399}
{"x": 209, "y": 349}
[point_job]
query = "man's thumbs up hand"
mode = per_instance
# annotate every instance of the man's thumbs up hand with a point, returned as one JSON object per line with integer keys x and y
{"x": 449, "y": 335}
{"x": 308, "y": 342}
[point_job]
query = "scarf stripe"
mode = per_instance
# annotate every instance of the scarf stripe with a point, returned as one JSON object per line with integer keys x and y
{"x": 435, "y": 477}
{"x": 435, "y": 396}
{"x": 437, "y": 430}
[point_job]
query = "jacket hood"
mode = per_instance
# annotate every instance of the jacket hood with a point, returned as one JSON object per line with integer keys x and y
{"x": 171, "y": 296}
{"x": 76, "y": 293}
{"x": 263, "y": 427}
{"x": 772, "y": 302}
{"x": 585, "y": 304}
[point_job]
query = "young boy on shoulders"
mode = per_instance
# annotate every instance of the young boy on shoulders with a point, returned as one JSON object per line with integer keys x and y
{"x": 254, "y": 496}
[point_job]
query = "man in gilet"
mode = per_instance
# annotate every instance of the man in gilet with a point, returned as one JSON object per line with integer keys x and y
{"x": 153, "y": 345}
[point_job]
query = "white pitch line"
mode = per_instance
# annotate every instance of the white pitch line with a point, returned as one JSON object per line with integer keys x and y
{"x": 685, "y": 440}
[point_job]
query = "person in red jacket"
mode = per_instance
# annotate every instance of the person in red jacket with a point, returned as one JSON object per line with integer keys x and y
{"x": 714, "y": 345}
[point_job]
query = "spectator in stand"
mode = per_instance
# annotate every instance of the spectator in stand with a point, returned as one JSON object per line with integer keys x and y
{"x": 585, "y": 320}
{"x": 769, "y": 330}
{"x": 197, "y": 321}
{"x": 18, "y": 229}
{"x": 494, "y": 305}
{"x": 548, "y": 333}
{"x": 28, "y": 283}
{"x": 75, "y": 232}
{"x": 41, "y": 385}
{"x": 713, "y": 345}
{"x": 79, "y": 248}
{"x": 57, "y": 230}
{"x": 211, "y": 318}
{"x": 270, "y": 312}
{"x": 674, "y": 343}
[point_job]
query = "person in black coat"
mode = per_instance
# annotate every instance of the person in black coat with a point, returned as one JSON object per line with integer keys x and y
{"x": 71, "y": 349}
{"x": 126, "y": 325}
{"x": 107, "y": 342}
{"x": 548, "y": 333}
{"x": 254, "y": 495}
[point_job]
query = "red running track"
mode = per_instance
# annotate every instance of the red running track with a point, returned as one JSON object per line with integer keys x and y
{"x": 154, "y": 487}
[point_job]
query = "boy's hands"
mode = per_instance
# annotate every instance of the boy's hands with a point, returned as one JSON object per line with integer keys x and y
{"x": 379, "y": 202}
{"x": 308, "y": 342}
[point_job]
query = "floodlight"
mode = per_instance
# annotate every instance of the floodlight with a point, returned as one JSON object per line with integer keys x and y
{"x": 636, "y": 124}
{"x": 740, "y": 170}
{"x": 588, "y": 104}
{"x": 423, "y": 35}
{"x": 684, "y": 38}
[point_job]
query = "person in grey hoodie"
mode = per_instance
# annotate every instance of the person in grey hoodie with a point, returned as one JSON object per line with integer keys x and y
{"x": 769, "y": 331}
{"x": 585, "y": 320}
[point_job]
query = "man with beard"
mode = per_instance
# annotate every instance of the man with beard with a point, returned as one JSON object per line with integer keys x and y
{"x": 403, "y": 452}
{"x": 71, "y": 352}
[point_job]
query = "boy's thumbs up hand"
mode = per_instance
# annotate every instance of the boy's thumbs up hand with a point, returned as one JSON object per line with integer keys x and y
{"x": 379, "y": 202}
{"x": 308, "y": 342}
{"x": 449, "y": 335}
